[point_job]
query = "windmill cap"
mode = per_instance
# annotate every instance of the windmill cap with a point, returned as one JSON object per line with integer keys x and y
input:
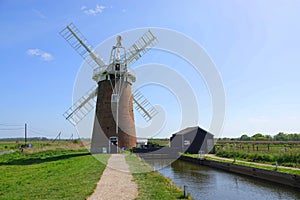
{"x": 119, "y": 40}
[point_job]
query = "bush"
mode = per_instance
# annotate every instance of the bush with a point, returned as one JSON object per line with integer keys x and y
{"x": 76, "y": 141}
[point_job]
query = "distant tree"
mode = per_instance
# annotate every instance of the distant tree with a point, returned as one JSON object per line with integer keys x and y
{"x": 258, "y": 136}
{"x": 245, "y": 137}
{"x": 281, "y": 137}
{"x": 225, "y": 138}
{"x": 294, "y": 137}
{"x": 268, "y": 137}
{"x": 287, "y": 137}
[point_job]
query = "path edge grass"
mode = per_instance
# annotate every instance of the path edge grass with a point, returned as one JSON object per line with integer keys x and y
{"x": 151, "y": 184}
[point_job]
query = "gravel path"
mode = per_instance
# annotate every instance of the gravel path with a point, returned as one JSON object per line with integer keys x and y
{"x": 116, "y": 181}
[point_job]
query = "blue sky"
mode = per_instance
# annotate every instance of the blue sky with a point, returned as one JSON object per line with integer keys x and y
{"x": 254, "y": 45}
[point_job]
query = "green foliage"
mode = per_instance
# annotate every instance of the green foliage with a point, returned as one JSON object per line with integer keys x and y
{"x": 6, "y": 146}
{"x": 260, "y": 137}
{"x": 245, "y": 137}
{"x": 159, "y": 142}
{"x": 281, "y": 136}
{"x": 59, "y": 174}
{"x": 284, "y": 158}
{"x": 76, "y": 141}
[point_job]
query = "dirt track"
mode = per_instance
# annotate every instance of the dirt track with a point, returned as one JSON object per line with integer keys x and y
{"x": 116, "y": 181}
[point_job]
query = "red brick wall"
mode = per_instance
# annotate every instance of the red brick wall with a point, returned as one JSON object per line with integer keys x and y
{"x": 105, "y": 112}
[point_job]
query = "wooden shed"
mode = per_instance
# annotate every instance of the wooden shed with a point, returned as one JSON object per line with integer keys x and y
{"x": 192, "y": 140}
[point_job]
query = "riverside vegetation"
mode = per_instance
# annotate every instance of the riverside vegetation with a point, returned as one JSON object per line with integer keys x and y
{"x": 286, "y": 154}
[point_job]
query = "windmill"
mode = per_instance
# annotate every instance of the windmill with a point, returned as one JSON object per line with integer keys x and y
{"x": 114, "y": 118}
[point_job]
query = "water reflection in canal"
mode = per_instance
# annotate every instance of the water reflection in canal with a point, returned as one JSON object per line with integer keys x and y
{"x": 207, "y": 183}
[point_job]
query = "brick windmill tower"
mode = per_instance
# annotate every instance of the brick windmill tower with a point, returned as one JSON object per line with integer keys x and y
{"x": 114, "y": 126}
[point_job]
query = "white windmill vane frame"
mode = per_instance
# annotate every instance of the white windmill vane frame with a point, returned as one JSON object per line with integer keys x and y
{"x": 87, "y": 102}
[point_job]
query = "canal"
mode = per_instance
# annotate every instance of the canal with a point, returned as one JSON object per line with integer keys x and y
{"x": 208, "y": 183}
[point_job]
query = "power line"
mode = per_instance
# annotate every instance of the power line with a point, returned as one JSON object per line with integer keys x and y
{"x": 41, "y": 131}
{"x": 38, "y": 133}
{"x": 10, "y": 129}
{"x": 11, "y": 124}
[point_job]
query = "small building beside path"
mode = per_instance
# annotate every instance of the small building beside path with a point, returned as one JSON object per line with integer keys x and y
{"x": 192, "y": 140}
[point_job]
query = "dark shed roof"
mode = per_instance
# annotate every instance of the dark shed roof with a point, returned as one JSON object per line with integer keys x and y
{"x": 190, "y": 129}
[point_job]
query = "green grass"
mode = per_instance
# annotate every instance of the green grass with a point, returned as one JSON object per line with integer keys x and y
{"x": 39, "y": 146}
{"x": 286, "y": 159}
{"x": 256, "y": 165}
{"x": 53, "y": 174}
{"x": 151, "y": 184}
{"x": 159, "y": 142}
{"x": 287, "y": 154}
{"x": 272, "y": 168}
{"x": 7, "y": 146}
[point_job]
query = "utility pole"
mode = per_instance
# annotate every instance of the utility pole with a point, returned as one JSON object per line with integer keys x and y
{"x": 25, "y": 133}
{"x": 58, "y": 136}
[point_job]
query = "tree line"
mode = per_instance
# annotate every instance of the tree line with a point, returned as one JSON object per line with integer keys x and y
{"x": 281, "y": 136}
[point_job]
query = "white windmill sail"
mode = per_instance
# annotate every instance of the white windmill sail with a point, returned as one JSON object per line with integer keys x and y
{"x": 140, "y": 47}
{"x": 81, "y": 107}
{"x": 86, "y": 103}
{"x": 143, "y": 106}
{"x": 137, "y": 50}
{"x": 81, "y": 45}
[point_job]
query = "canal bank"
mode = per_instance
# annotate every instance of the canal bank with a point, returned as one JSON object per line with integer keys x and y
{"x": 209, "y": 183}
{"x": 268, "y": 175}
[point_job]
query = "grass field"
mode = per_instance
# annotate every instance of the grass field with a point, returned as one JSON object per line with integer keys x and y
{"x": 286, "y": 153}
{"x": 159, "y": 142}
{"x": 42, "y": 145}
{"x": 151, "y": 184}
{"x": 7, "y": 146}
{"x": 50, "y": 174}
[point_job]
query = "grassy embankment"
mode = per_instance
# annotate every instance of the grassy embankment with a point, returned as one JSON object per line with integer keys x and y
{"x": 151, "y": 184}
{"x": 252, "y": 164}
{"x": 50, "y": 174}
{"x": 286, "y": 154}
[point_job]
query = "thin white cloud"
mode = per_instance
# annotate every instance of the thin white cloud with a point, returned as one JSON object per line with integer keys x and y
{"x": 39, "y": 14}
{"x": 40, "y": 53}
{"x": 98, "y": 9}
